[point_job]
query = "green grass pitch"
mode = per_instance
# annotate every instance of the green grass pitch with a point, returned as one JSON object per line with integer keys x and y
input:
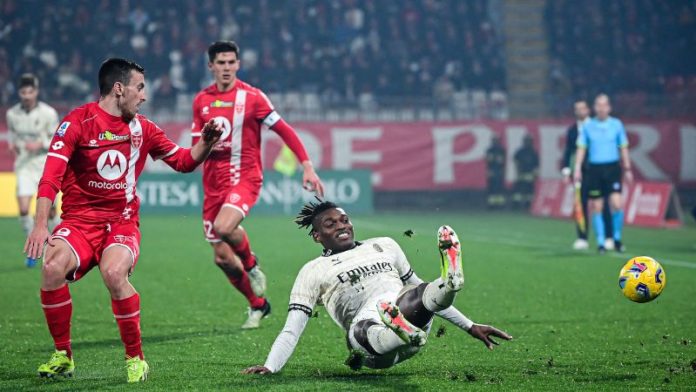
{"x": 573, "y": 329}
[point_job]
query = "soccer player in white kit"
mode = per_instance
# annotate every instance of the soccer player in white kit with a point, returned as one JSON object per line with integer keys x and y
{"x": 31, "y": 126}
{"x": 371, "y": 292}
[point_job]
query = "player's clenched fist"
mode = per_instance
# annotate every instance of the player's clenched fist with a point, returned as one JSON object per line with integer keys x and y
{"x": 211, "y": 132}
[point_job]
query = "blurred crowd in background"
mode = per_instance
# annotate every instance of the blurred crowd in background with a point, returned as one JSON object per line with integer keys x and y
{"x": 337, "y": 49}
{"x": 351, "y": 52}
{"x": 635, "y": 49}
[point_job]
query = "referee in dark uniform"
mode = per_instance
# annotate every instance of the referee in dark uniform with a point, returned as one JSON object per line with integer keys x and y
{"x": 603, "y": 140}
{"x": 582, "y": 116}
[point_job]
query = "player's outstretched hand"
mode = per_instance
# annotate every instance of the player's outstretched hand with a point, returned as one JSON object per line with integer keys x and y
{"x": 628, "y": 175}
{"x": 33, "y": 247}
{"x": 256, "y": 370}
{"x": 311, "y": 181}
{"x": 485, "y": 332}
{"x": 211, "y": 132}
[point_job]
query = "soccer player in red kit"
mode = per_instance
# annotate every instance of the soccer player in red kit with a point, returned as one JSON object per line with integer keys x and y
{"x": 232, "y": 175}
{"x": 95, "y": 158}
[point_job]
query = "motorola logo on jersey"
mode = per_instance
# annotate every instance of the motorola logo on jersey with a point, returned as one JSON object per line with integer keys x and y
{"x": 226, "y": 126}
{"x": 111, "y": 164}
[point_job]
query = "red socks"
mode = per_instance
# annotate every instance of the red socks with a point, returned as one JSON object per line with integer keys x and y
{"x": 242, "y": 284}
{"x": 57, "y": 307}
{"x": 243, "y": 250}
{"x": 127, "y": 314}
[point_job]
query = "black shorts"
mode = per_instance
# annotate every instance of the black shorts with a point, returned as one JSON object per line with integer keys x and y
{"x": 603, "y": 179}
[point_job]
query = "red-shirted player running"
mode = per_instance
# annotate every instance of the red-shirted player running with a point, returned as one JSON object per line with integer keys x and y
{"x": 232, "y": 176}
{"x": 95, "y": 158}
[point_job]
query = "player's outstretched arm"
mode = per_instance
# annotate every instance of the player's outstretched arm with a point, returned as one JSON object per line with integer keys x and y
{"x": 479, "y": 331}
{"x": 310, "y": 179}
{"x": 284, "y": 344}
{"x": 485, "y": 333}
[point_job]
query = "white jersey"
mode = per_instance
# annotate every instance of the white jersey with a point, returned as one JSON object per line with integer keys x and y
{"x": 345, "y": 282}
{"x": 36, "y": 125}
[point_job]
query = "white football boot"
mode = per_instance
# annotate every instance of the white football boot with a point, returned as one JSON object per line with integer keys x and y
{"x": 256, "y": 315}
{"x": 450, "y": 258}
{"x": 257, "y": 280}
{"x": 581, "y": 244}
{"x": 393, "y": 318}
{"x": 609, "y": 244}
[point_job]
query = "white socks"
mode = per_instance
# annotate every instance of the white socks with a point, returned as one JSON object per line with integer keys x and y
{"x": 27, "y": 222}
{"x": 437, "y": 296}
{"x": 383, "y": 339}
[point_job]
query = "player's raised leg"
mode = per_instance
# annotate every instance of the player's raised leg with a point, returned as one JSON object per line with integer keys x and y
{"x": 56, "y": 302}
{"x": 115, "y": 266}
{"x": 228, "y": 226}
{"x": 231, "y": 265}
{"x": 419, "y": 304}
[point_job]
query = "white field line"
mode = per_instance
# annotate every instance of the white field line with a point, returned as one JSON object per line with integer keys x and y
{"x": 523, "y": 244}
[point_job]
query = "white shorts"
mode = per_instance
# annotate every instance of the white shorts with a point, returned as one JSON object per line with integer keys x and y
{"x": 27, "y": 182}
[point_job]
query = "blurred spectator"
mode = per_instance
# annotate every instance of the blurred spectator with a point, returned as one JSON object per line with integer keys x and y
{"x": 629, "y": 47}
{"x": 495, "y": 170}
{"x": 348, "y": 50}
{"x": 527, "y": 165}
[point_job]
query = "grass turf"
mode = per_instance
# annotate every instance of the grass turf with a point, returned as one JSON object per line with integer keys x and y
{"x": 572, "y": 327}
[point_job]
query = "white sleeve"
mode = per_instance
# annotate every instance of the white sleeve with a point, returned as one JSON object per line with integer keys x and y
{"x": 454, "y": 316}
{"x": 286, "y": 341}
{"x": 51, "y": 125}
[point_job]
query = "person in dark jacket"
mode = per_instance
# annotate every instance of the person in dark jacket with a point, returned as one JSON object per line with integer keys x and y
{"x": 582, "y": 115}
{"x": 495, "y": 165}
{"x": 527, "y": 165}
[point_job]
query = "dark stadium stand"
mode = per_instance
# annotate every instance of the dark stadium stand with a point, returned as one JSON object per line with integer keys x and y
{"x": 342, "y": 51}
{"x": 638, "y": 51}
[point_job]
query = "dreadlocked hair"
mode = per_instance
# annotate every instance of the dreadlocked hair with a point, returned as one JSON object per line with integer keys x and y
{"x": 310, "y": 211}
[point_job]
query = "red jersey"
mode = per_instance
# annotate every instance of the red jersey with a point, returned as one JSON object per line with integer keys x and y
{"x": 242, "y": 111}
{"x": 95, "y": 159}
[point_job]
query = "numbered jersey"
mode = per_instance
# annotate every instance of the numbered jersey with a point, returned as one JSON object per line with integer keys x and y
{"x": 95, "y": 160}
{"x": 242, "y": 111}
{"x": 347, "y": 281}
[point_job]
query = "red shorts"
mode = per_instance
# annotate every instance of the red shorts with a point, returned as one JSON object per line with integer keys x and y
{"x": 88, "y": 242}
{"x": 241, "y": 197}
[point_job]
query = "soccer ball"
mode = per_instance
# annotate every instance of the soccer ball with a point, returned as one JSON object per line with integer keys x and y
{"x": 642, "y": 279}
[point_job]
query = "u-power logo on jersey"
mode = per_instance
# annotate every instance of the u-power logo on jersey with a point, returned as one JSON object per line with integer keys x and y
{"x": 111, "y": 165}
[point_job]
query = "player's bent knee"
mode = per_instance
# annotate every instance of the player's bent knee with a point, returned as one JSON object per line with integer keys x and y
{"x": 58, "y": 261}
{"x": 115, "y": 277}
{"x": 360, "y": 335}
{"x": 223, "y": 229}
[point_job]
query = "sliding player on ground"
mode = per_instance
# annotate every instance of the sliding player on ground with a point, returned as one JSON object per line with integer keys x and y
{"x": 31, "y": 124}
{"x": 371, "y": 292}
{"x": 96, "y": 157}
{"x": 603, "y": 142}
{"x": 232, "y": 176}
